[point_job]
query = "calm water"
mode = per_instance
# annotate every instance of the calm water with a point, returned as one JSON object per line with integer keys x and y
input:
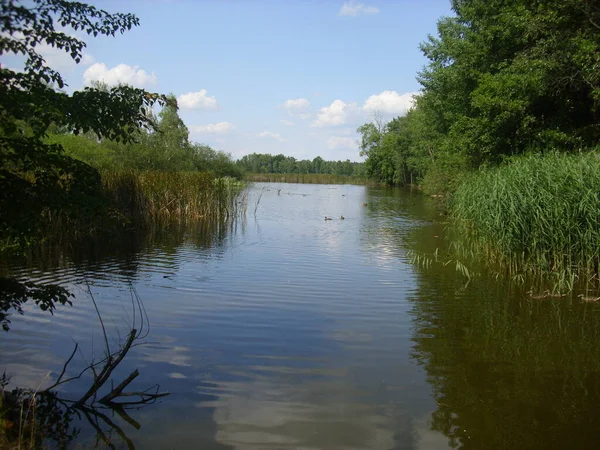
{"x": 286, "y": 331}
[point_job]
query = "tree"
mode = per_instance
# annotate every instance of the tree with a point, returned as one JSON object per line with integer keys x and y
{"x": 507, "y": 76}
{"x": 37, "y": 180}
{"x": 377, "y": 147}
{"x": 503, "y": 78}
{"x": 36, "y": 177}
{"x": 30, "y": 96}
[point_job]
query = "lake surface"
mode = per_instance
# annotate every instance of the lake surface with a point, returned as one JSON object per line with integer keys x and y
{"x": 282, "y": 330}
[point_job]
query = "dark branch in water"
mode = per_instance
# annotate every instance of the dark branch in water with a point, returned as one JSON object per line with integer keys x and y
{"x": 117, "y": 399}
{"x": 64, "y": 369}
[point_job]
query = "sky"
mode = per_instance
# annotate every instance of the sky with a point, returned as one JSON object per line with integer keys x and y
{"x": 296, "y": 77}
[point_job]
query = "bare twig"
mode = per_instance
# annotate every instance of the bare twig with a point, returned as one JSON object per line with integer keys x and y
{"x": 102, "y": 370}
{"x": 108, "y": 368}
{"x": 119, "y": 389}
{"x": 89, "y": 290}
{"x": 258, "y": 200}
{"x": 64, "y": 369}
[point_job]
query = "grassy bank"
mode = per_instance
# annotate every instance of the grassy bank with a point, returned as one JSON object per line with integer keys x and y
{"x": 536, "y": 215}
{"x": 308, "y": 178}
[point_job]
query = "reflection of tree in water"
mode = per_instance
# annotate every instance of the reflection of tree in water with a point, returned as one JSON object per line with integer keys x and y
{"x": 394, "y": 202}
{"x": 125, "y": 249}
{"x": 46, "y": 418}
{"x": 47, "y": 414}
{"x": 41, "y": 414}
{"x": 118, "y": 257}
{"x": 506, "y": 371}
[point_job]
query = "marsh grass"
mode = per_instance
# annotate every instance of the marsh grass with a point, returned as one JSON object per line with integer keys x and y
{"x": 309, "y": 178}
{"x": 172, "y": 196}
{"x": 123, "y": 201}
{"x": 537, "y": 215}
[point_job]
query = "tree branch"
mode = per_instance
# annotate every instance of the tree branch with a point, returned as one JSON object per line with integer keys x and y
{"x": 62, "y": 373}
{"x": 108, "y": 368}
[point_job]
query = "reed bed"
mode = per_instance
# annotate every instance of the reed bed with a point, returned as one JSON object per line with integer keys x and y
{"x": 123, "y": 201}
{"x": 309, "y": 178}
{"x": 537, "y": 214}
{"x": 173, "y": 196}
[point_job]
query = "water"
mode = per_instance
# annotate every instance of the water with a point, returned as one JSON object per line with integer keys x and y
{"x": 284, "y": 330}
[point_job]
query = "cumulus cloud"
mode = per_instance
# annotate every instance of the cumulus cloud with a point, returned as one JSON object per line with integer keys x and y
{"x": 341, "y": 142}
{"x": 389, "y": 103}
{"x": 60, "y": 60}
{"x": 197, "y": 100}
{"x": 298, "y": 104}
{"x": 299, "y": 107}
{"x": 338, "y": 113}
{"x": 87, "y": 59}
{"x": 122, "y": 73}
{"x": 213, "y": 128}
{"x": 270, "y": 134}
{"x": 288, "y": 123}
{"x": 353, "y": 8}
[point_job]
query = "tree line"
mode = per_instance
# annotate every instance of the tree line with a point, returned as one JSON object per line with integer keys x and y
{"x": 503, "y": 79}
{"x": 267, "y": 163}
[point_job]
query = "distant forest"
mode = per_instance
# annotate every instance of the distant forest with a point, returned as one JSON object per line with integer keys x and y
{"x": 266, "y": 163}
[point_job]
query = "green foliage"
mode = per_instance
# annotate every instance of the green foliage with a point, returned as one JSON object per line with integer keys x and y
{"x": 166, "y": 148}
{"x": 217, "y": 162}
{"x": 37, "y": 179}
{"x": 263, "y": 163}
{"x": 13, "y": 294}
{"x": 537, "y": 214}
{"x": 503, "y": 77}
{"x": 29, "y": 96}
{"x": 41, "y": 186}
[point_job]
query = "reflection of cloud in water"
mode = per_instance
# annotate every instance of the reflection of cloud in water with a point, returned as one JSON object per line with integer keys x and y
{"x": 352, "y": 336}
{"x": 176, "y": 375}
{"x": 29, "y": 376}
{"x": 175, "y": 355}
{"x": 297, "y": 416}
{"x": 428, "y": 439}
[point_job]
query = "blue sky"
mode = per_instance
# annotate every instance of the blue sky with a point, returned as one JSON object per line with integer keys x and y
{"x": 280, "y": 76}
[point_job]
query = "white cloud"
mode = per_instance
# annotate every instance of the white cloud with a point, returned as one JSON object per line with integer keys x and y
{"x": 197, "y": 100}
{"x": 213, "y": 128}
{"x": 338, "y": 113}
{"x": 299, "y": 107}
{"x": 390, "y": 103}
{"x": 57, "y": 58}
{"x": 270, "y": 134}
{"x": 353, "y": 8}
{"x": 60, "y": 60}
{"x": 298, "y": 104}
{"x": 341, "y": 142}
{"x": 287, "y": 123}
{"x": 87, "y": 59}
{"x": 122, "y": 73}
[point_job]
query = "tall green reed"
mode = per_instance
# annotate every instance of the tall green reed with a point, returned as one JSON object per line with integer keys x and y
{"x": 173, "y": 196}
{"x": 537, "y": 214}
